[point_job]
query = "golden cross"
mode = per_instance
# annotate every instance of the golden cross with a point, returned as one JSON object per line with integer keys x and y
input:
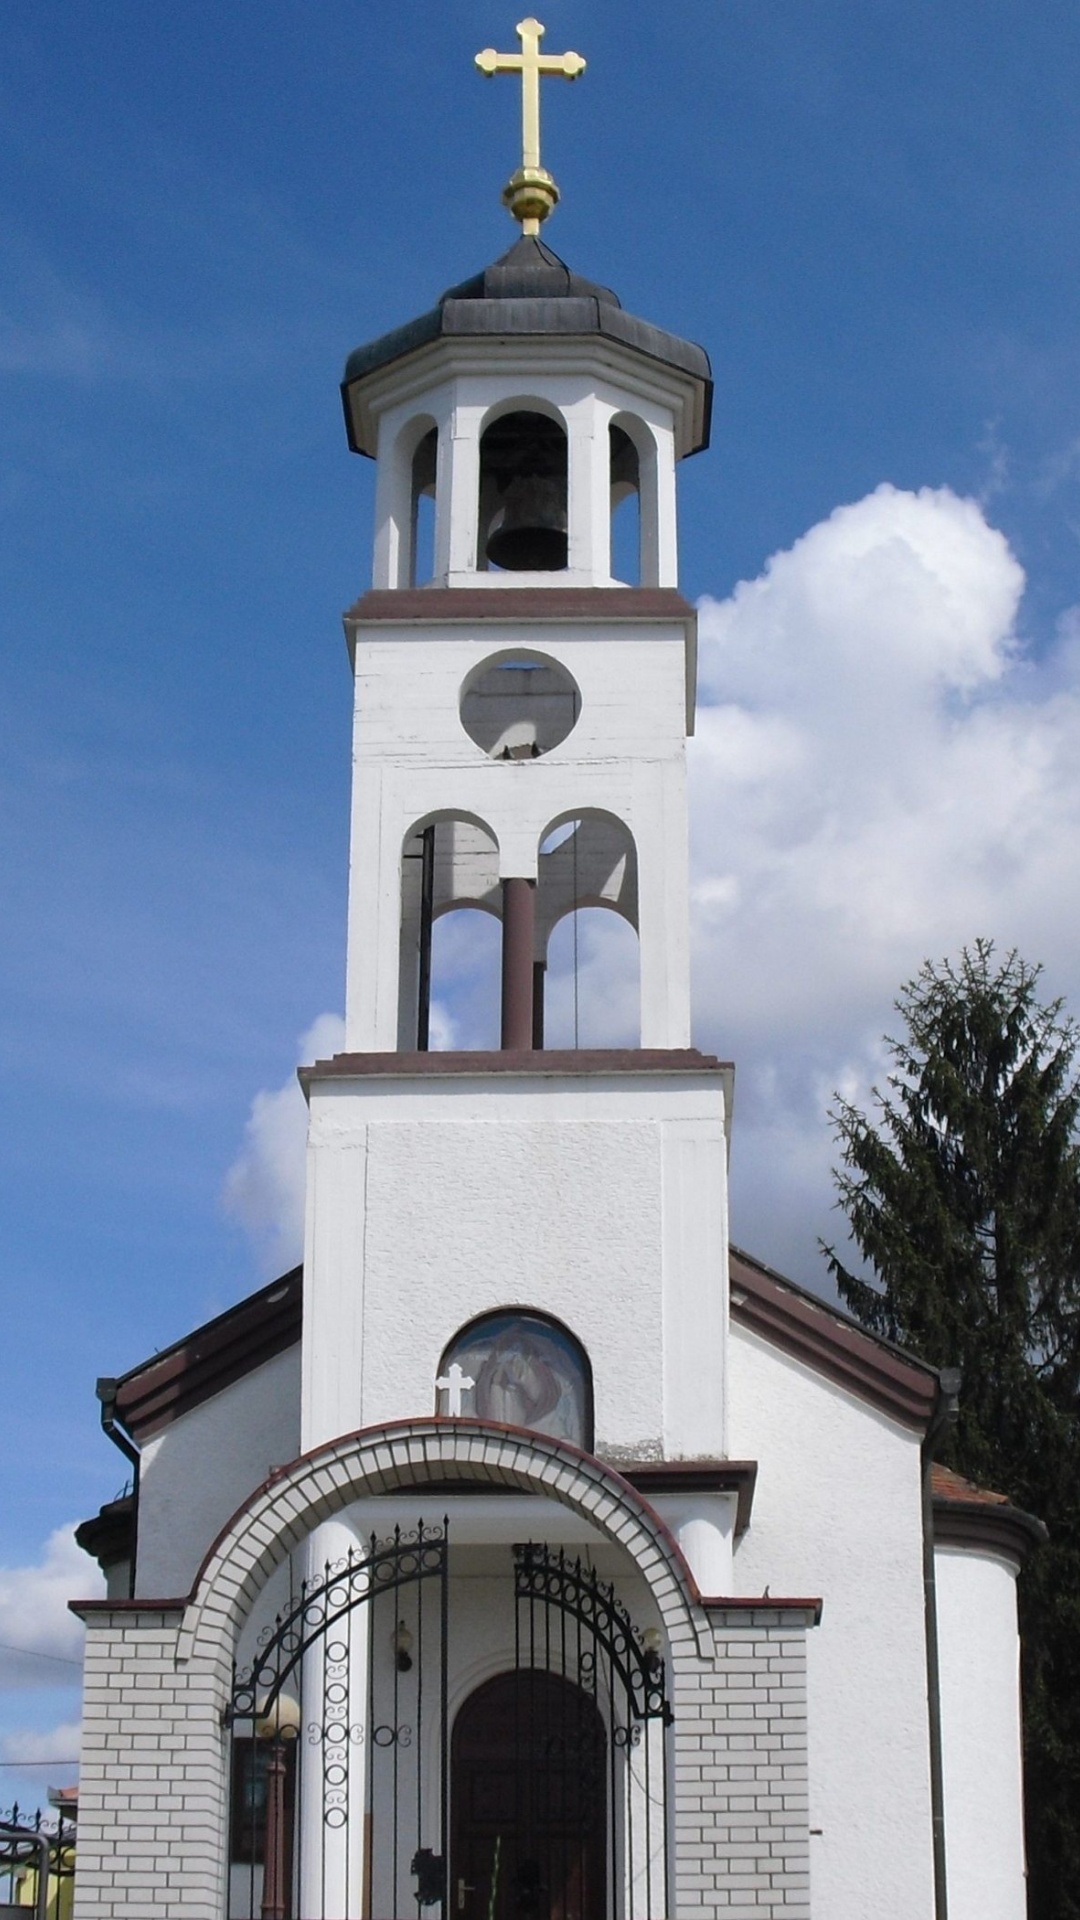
{"x": 531, "y": 192}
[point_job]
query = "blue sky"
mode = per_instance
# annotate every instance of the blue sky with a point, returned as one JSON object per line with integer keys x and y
{"x": 867, "y": 213}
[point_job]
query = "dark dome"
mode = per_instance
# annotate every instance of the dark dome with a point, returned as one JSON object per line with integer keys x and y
{"x": 527, "y": 292}
{"x": 530, "y": 271}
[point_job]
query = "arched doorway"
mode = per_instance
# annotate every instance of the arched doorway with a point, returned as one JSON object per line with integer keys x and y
{"x": 529, "y": 1801}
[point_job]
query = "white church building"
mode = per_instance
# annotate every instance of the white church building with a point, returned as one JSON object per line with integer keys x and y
{"x": 529, "y": 1551}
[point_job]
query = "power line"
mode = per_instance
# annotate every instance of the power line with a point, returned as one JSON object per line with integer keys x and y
{"x": 38, "y": 1763}
{"x": 33, "y": 1654}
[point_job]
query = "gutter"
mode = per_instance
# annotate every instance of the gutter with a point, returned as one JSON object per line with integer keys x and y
{"x": 106, "y": 1390}
{"x": 943, "y": 1417}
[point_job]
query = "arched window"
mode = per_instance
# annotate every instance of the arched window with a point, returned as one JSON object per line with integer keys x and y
{"x": 518, "y": 706}
{"x": 523, "y": 1370}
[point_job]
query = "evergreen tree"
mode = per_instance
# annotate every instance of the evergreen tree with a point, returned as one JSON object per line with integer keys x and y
{"x": 962, "y": 1194}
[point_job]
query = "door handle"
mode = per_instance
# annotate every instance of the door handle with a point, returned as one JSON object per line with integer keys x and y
{"x": 462, "y": 1889}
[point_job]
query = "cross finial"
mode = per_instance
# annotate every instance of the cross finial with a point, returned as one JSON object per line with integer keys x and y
{"x": 530, "y": 193}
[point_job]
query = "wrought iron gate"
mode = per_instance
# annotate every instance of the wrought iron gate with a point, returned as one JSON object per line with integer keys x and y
{"x": 570, "y": 1621}
{"x": 339, "y": 1790}
{"x": 343, "y": 1768}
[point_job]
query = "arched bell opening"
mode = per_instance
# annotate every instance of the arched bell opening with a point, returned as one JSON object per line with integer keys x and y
{"x": 466, "y": 965}
{"x": 518, "y": 706}
{"x": 422, "y": 520}
{"x": 625, "y": 508}
{"x": 592, "y": 976}
{"x": 587, "y": 989}
{"x": 635, "y": 502}
{"x": 450, "y": 940}
{"x": 523, "y": 494}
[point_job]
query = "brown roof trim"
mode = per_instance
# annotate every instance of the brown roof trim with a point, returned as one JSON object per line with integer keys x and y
{"x": 652, "y": 1477}
{"x": 763, "y": 1604}
{"x": 109, "y": 1535}
{"x": 81, "y": 1608}
{"x": 826, "y": 1339}
{"x": 559, "y": 1062}
{"x": 409, "y": 606}
{"x": 980, "y": 1521}
{"x": 152, "y": 1395}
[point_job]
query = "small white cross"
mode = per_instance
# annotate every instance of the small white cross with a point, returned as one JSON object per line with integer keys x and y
{"x": 454, "y": 1384}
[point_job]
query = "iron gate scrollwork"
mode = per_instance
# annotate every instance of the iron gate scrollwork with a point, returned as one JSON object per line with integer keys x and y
{"x": 341, "y": 1749}
{"x": 570, "y": 1621}
{"x": 339, "y": 1800}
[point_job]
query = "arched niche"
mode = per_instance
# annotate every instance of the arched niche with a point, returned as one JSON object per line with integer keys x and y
{"x": 518, "y": 706}
{"x": 522, "y": 524}
{"x": 449, "y": 861}
{"x": 635, "y": 534}
{"x": 586, "y": 861}
{"x": 524, "y": 1369}
{"x": 415, "y": 461}
{"x": 422, "y": 540}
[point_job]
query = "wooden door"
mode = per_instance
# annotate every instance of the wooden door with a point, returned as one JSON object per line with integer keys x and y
{"x": 528, "y": 1802}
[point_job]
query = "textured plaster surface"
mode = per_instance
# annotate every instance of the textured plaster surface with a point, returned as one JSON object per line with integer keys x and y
{"x": 980, "y": 1735}
{"x": 603, "y": 1206}
{"x": 837, "y": 1512}
{"x": 198, "y": 1470}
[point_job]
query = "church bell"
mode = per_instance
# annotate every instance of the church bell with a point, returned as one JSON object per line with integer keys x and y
{"x": 530, "y": 533}
{"x": 525, "y": 456}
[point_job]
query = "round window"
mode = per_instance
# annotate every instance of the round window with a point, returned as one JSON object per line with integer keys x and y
{"x": 519, "y": 707}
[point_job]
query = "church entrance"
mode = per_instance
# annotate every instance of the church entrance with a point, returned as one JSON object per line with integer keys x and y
{"x": 529, "y": 1799}
{"x": 354, "y": 1796}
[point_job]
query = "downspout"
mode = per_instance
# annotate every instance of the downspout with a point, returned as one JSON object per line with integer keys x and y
{"x": 944, "y": 1416}
{"x": 106, "y": 1392}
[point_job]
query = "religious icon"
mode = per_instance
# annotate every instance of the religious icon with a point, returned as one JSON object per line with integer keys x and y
{"x": 521, "y": 1371}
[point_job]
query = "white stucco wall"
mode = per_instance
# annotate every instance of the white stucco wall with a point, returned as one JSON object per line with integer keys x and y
{"x": 599, "y": 1199}
{"x": 196, "y": 1472}
{"x": 837, "y": 1514}
{"x": 979, "y": 1655}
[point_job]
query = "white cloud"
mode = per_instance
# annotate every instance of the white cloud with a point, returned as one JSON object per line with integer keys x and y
{"x": 264, "y": 1187}
{"x": 38, "y": 1635}
{"x": 880, "y": 775}
{"x": 29, "y": 1747}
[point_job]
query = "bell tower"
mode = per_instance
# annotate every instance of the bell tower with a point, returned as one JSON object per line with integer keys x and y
{"x": 521, "y": 716}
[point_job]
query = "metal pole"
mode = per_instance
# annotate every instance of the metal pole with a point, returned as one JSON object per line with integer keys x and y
{"x": 427, "y": 907}
{"x": 519, "y": 939}
{"x": 273, "y": 1894}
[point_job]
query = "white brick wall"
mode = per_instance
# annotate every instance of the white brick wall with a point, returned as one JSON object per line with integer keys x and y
{"x": 742, "y": 1838}
{"x": 152, "y": 1780}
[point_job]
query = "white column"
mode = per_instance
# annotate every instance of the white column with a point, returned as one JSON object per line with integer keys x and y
{"x": 459, "y": 495}
{"x": 374, "y": 940}
{"x": 704, "y": 1527}
{"x": 667, "y": 547}
{"x": 589, "y": 490}
{"x": 333, "y": 1756}
{"x": 695, "y": 1287}
{"x": 660, "y": 827}
{"x": 393, "y": 507}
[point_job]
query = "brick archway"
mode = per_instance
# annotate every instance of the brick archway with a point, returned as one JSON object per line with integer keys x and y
{"x": 384, "y": 1459}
